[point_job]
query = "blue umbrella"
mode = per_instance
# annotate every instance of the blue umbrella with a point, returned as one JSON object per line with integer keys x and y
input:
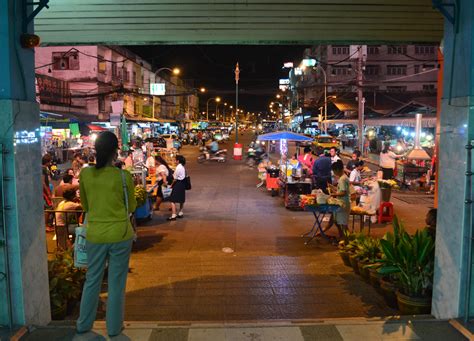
{"x": 284, "y": 135}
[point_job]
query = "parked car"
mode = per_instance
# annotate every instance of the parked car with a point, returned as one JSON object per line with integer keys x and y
{"x": 158, "y": 142}
{"x": 326, "y": 142}
{"x": 174, "y": 138}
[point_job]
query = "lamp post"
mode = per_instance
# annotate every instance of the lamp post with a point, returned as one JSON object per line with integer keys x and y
{"x": 175, "y": 71}
{"x": 217, "y": 99}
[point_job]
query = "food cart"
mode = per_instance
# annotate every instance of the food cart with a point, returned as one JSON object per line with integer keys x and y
{"x": 292, "y": 180}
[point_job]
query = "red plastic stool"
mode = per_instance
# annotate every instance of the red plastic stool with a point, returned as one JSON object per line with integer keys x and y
{"x": 385, "y": 212}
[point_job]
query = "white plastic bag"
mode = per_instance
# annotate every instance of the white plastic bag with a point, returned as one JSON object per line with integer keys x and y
{"x": 321, "y": 197}
{"x": 166, "y": 190}
{"x": 80, "y": 248}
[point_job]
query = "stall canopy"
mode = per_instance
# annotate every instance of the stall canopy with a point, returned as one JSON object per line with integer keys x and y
{"x": 96, "y": 127}
{"x": 284, "y": 135}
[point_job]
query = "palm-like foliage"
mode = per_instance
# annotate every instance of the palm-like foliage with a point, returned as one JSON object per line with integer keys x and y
{"x": 410, "y": 259}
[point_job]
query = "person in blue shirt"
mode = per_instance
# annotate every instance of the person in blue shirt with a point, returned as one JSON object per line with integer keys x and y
{"x": 322, "y": 171}
{"x": 214, "y": 147}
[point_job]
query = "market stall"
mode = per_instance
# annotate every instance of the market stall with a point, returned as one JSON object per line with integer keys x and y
{"x": 293, "y": 180}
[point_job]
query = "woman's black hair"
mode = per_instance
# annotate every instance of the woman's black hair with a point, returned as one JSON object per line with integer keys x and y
{"x": 386, "y": 147}
{"x": 337, "y": 166}
{"x": 307, "y": 150}
{"x": 181, "y": 159}
{"x": 106, "y": 146}
{"x": 69, "y": 194}
{"x": 161, "y": 161}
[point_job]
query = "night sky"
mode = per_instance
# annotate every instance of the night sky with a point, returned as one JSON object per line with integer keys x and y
{"x": 212, "y": 66}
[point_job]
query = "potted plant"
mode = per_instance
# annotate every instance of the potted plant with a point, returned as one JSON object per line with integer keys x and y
{"x": 387, "y": 282}
{"x": 346, "y": 248}
{"x": 65, "y": 283}
{"x": 411, "y": 262}
{"x": 386, "y": 188}
{"x": 368, "y": 253}
{"x": 353, "y": 246}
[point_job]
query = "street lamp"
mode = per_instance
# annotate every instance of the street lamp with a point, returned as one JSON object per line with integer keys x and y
{"x": 203, "y": 89}
{"x": 217, "y": 99}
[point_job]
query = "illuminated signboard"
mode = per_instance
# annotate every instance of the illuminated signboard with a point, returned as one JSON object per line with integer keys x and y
{"x": 157, "y": 89}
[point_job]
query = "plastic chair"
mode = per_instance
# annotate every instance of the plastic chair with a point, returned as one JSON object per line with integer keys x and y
{"x": 385, "y": 212}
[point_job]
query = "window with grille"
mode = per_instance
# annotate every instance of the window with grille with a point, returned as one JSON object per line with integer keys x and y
{"x": 101, "y": 104}
{"x": 372, "y": 70}
{"x": 340, "y": 49}
{"x": 134, "y": 77}
{"x": 125, "y": 75}
{"x": 396, "y": 88}
{"x": 396, "y": 70}
{"x": 65, "y": 61}
{"x": 429, "y": 87}
{"x": 341, "y": 70}
{"x": 424, "y": 49}
{"x": 373, "y": 50}
{"x": 101, "y": 64}
{"x": 417, "y": 69}
{"x": 115, "y": 74}
{"x": 397, "y": 49}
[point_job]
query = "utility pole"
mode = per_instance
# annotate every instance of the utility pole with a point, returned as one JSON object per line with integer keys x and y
{"x": 360, "y": 98}
{"x": 237, "y": 76}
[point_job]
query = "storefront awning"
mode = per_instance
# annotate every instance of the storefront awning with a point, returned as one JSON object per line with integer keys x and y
{"x": 96, "y": 127}
{"x": 426, "y": 122}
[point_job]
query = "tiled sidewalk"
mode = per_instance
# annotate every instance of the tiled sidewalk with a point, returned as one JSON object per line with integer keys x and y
{"x": 350, "y": 329}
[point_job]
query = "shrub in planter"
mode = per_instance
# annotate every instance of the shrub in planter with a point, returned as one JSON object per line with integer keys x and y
{"x": 65, "y": 283}
{"x": 411, "y": 262}
{"x": 346, "y": 248}
{"x": 368, "y": 253}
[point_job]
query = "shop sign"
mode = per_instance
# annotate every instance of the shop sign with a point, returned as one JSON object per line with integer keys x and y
{"x": 115, "y": 119}
{"x": 52, "y": 90}
{"x": 157, "y": 89}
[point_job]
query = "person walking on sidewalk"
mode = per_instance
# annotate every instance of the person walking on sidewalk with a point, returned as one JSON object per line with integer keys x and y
{"x": 107, "y": 197}
{"x": 178, "y": 194}
{"x": 388, "y": 161}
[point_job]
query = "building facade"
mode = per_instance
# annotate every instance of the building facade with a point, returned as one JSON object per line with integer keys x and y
{"x": 385, "y": 69}
{"x": 98, "y": 75}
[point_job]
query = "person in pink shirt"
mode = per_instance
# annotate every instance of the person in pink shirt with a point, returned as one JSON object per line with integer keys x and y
{"x": 307, "y": 160}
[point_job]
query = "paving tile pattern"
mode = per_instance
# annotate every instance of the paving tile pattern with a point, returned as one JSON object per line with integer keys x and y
{"x": 347, "y": 330}
{"x": 179, "y": 272}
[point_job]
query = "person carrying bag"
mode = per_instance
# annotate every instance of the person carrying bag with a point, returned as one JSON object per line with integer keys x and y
{"x": 108, "y": 198}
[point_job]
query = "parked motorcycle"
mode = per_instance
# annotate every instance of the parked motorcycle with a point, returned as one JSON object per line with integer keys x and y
{"x": 206, "y": 155}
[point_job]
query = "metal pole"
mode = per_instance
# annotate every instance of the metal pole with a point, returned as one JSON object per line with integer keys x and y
{"x": 237, "y": 112}
{"x": 325, "y": 100}
{"x": 207, "y": 109}
{"x": 360, "y": 99}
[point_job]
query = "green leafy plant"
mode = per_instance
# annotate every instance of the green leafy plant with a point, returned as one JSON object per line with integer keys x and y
{"x": 140, "y": 195}
{"x": 410, "y": 259}
{"x": 65, "y": 280}
{"x": 368, "y": 250}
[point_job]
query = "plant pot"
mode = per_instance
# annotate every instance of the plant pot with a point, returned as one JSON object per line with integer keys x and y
{"x": 354, "y": 263}
{"x": 374, "y": 279}
{"x": 364, "y": 270}
{"x": 59, "y": 313}
{"x": 345, "y": 256}
{"x": 386, "y": 193}
{"x": 413, "y": 305}
{"x": 389, "y": 293}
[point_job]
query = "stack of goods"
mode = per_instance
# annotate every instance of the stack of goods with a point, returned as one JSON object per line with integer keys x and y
{"x": 293, "y": 200}
{"x": 307, "y": 200}
{"x": 335, "y": 201}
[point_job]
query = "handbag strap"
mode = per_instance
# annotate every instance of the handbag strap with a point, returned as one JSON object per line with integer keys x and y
{"x": 125, "y": 195}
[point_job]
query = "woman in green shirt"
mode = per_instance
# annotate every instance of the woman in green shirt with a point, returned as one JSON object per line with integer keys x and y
{"x": 106, "y": 193}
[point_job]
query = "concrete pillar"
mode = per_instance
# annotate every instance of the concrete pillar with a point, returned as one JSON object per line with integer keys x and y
{"x": 457, "y": 130}
{"x": 21, "y": 210}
